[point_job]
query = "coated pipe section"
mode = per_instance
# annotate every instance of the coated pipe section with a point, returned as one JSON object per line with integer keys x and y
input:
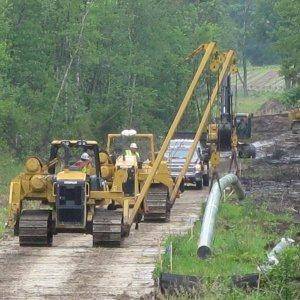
{"x": 272, "y": 256}
{"x": 211, "y": 209}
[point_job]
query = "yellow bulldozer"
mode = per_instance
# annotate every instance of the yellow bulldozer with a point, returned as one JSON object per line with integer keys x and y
{"x": 56, "y": 197}
{"x": 61, "y": 197}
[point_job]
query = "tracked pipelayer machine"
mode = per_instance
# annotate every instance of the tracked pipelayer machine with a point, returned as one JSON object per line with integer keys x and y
{"x": 156, "y": 206}
{"x": 53, "y": 197}
{"x": 60, "y": 197}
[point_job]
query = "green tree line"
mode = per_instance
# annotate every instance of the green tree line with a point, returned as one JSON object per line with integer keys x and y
{"x": 81, "y": 69}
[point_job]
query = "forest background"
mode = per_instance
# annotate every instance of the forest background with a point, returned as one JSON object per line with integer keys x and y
{"x": 124, "y": 62}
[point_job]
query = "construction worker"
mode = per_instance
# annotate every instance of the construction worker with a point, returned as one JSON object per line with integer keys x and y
{"x": 84, "y": 164}
{"x": 133, "y": 151}
{"x": 129, "y": 184}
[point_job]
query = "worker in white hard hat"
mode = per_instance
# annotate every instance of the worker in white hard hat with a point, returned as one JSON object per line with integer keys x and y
{"x": 84, "y": 156}
{"x": 133, "y": 151}
{"x": 130, "y": 182}
{"x": 84, "y": 164}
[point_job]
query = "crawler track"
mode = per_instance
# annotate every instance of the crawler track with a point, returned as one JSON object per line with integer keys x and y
{"x": 73, "y": 269}
{"x": 158, "y": 204}
{"x": 107, "y": 227}
{"x": 35, "y": 228}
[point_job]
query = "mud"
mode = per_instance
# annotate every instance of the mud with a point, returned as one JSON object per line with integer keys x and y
{"x": 273, "y": 179}
{"x": 271, "y": 107}
{"x": 72, "y": 269}
{"x": 269, "y": 126}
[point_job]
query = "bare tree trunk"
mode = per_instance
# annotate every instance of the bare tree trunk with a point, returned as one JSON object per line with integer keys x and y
{"x": 287, "y": 82}
{"x": 133, "y": 77}
{"x": 72, "y": 56}
{"x": 244, "y": 58}
{"x": 132, "y": 101}
{"x": 245, "y": 75}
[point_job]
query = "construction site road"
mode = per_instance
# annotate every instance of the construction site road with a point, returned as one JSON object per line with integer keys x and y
{"x": 73, "y": 269}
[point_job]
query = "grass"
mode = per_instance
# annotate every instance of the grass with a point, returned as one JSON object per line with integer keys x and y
{"x": 263, "y": 69}
{"x": 241, "y": 235}
{"x": 9, "y": 168}
{"x": 3, "y": 216}
{"x": 257, "y": 79}
{"x": 253, "y": 102}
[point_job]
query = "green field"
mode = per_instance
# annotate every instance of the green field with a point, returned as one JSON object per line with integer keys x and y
{"x": 253, "y": 102}
{"x": 240, "y": 245}
{"x": 3, "y": 215}
{"x": 264, "y": 79}
{"x": 264, "y": 84}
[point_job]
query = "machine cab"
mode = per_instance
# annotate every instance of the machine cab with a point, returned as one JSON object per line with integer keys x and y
{"x": 243, "y": 124}
{"x": 72, "y": 185}
{"x": 117, "y": 144}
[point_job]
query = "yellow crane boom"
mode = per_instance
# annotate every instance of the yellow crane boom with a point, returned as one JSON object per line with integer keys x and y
{"x": 210, "y": 51}
{"x": 229, "y": 61}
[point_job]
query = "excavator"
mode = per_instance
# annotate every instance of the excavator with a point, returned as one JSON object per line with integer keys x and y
{"x": 229, "y": 131}
{"x": 56, "y": 196}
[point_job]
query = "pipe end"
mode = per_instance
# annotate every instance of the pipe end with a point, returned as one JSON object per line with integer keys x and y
{"x": 203, "y": 252}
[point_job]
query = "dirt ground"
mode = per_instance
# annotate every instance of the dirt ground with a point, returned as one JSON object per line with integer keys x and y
{"x": 273, "y": 178}
{"x": 271, "y": 107}
{"x": 269, "y": 126}
{"x": 72, "y": 269}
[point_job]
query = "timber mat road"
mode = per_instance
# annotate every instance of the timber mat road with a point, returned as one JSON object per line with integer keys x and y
{"x": 73, "y": 269}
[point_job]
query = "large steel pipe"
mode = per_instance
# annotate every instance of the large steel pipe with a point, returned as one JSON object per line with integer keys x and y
{"x": 211, "y": 209}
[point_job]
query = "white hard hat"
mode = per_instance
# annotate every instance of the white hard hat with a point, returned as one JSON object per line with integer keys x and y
{"x": 133, "y": 146}
{"x": 85, "y": 156}
{"x": 128, "y": 132}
